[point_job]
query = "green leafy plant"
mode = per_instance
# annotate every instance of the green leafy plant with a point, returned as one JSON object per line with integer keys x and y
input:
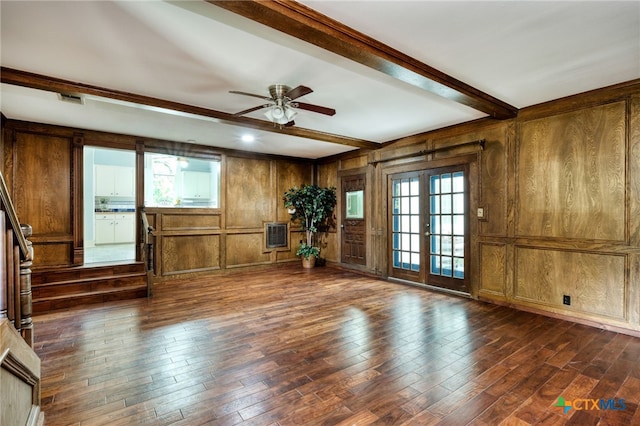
{"x": 313, "y": 206}
{"x": 307, "y": 251}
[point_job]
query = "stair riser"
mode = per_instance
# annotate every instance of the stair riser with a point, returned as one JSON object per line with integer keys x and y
{"x": 40, "y": 307}
{"x": 74, "y": 288}
{"x": 59, "y": 289}
{"x": 83, "y": 273}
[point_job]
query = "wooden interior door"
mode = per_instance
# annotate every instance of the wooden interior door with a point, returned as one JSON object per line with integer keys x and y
{"x": 354, "y": 242}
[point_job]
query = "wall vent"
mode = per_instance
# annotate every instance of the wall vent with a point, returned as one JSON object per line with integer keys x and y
{"x": 276, "y": 235}
{"x": 68, "y": 97}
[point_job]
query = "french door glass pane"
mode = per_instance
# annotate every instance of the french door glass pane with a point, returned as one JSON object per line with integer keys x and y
{"x": 434, "y": 204}
{"x": 446, "y": 244}
{"x": 458, "y": 267}
{"x": 405, "y": 221}
{"x": 458, "y": 224}
{"x": 458, "y": 246}
{"x": 446, "y": 203}
{"x": 446, "y": 265}
{"x": 435, "y": 265}
{"x": 435, "y": 244}
{"x": 458, "y": 182}
{"x": 395, "y": 188}
{"x": 458, "y": 203}
{"x": 446, "y": 183}
{"x": 415, "y": 205}
{"x": 447, "y": 224}
{"x": 415, "y": 223}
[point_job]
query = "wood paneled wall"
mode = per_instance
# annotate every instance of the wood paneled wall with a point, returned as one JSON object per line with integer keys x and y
{"x": 205, "y": 241}
{"x": 560, "y": 187}
{"x": 40, "y": 180}
{"x": 44, "y": 168}
{"x": 575, "y": 185}
{"x": 571, "y": 175}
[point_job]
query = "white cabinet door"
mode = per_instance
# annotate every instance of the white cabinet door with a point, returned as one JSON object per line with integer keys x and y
{"x": 123, "y": 183}
{"x": 204, "y": 186}
{"x": 123, "y": 231}
{"x": 103, "y": 181}
{"x": 115, "y": 228}
{"x": 189, "y": 184}
{"x": 114, "y": 181}
{"x": 104, "y": 229}
{"x": 196, "y": 185}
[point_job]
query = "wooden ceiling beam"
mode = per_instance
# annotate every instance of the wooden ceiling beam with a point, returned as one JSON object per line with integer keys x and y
{"x": 52, "y": 84}
{"x": 306, "y": 24}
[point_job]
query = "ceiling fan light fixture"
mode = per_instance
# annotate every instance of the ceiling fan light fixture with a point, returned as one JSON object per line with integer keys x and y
{"x": 289, "y": 113}
{"x": 282, "y": 104}
{"x": 280, "y": 114}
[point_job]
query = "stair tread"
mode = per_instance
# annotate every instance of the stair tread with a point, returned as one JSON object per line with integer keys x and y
{"x": 90, "y": 279}
{"x": 90, "y": 293}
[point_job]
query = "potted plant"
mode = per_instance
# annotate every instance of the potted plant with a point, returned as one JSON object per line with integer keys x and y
{"x": 312, "y": 205}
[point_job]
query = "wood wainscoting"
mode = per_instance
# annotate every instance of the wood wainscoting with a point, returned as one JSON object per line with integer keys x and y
{"x": 289, "y": 346}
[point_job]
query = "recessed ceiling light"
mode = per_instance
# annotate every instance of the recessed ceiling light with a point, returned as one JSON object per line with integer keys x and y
{"x": 248, "y": 138}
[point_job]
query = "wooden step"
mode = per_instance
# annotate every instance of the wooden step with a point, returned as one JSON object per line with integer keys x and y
{"x": 64, "y": 288}
{"x": 54, "y": 275}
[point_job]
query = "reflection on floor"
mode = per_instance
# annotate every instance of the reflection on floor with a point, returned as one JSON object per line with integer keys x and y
{"x": 109, "y": 253}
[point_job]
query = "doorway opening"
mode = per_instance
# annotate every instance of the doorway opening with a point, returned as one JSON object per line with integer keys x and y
{"x": 109, "y": 205}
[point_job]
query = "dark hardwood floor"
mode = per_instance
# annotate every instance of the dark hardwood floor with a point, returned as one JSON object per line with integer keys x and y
{"x": 287, "y": 346}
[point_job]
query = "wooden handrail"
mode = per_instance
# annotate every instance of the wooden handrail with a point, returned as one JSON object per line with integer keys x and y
{"x": 148, "y": 234}
{"x": 10, "y": 211}
{"x": 148, "y": 228}
{"x": 17, "y": 357}
{"x": 17, "y": 258}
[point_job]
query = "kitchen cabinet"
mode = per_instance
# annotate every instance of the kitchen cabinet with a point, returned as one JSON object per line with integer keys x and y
{"x": 115, "y": 228}
{"x": 114, "y": 181}
{"x": 196, "y": 185}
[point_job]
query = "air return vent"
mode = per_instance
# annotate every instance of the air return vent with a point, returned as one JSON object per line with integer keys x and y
{"x": 276, "y": 235}
{"x": 68, "y": 97}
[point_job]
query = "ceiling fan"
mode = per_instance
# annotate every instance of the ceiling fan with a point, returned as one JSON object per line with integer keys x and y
{"x": 281, "y": 104}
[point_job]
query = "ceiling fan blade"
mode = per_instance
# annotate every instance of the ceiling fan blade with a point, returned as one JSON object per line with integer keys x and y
{"x": 296, "y": 92}
{"x": 247, "y": 111}
{"x": 289, "y": 124}
{"x": 250, "y": 94}
{"x": 315, "y": 108}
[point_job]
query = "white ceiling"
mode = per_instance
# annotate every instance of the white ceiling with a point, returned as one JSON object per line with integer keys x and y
{"x": 194, "y": 53}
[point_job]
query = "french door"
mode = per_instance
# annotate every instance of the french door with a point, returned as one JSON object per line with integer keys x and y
{"x": 429, "y": 241}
